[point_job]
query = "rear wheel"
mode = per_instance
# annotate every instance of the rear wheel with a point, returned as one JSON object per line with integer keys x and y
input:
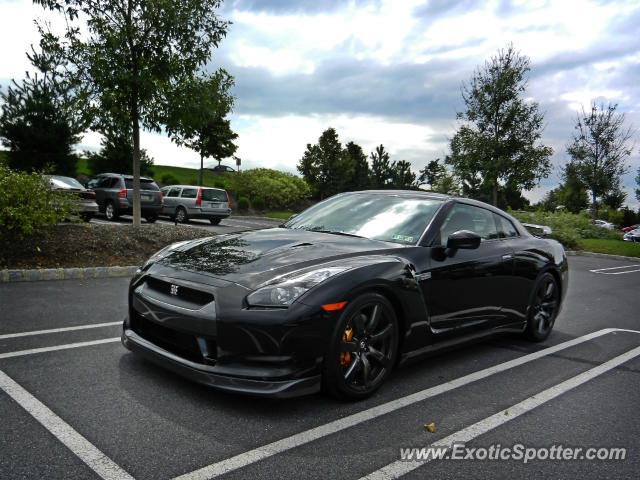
{"x": 543, "y": 308}
{"x": 363, "y": 348}
{"x": 215, "y": 221}
{"x": 110, "y": 211}
{"x": 181, "y": 215}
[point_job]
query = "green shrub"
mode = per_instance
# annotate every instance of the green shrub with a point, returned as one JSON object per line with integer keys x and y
{"x": 243, "y": 203}
{"x": 194, "y": 181}
{"x": 279, "y": 190}
{"x": 27, "y": 204}
{"x": 219, "y": 184}
{"x": 258, "y": 203}
{"x": 568, "y": 228}
{"x": 169, "y": 179}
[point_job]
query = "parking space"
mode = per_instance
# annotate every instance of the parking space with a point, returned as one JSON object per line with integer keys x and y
{"x": 75, "y": 403}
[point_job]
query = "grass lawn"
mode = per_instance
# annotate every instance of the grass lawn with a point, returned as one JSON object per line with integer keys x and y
{"x": 612, "y": 247}
{"x": 280, "y": 215}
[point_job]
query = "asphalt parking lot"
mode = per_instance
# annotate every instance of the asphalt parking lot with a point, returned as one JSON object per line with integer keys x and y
{"x": 75, "y": 404}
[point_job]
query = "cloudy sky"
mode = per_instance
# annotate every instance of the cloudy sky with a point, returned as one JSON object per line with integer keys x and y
{"x": 390, "y": 71}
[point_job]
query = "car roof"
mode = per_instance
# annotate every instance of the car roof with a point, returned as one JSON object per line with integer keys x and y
{"x": 194, "y": 186}
{"x": 128, "y": 177}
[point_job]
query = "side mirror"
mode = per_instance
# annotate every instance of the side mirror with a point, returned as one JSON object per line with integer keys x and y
{"x": 464, "y": 239}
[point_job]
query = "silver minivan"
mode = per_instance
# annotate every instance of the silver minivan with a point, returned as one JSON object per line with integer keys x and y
{"x": 183, "y": 202}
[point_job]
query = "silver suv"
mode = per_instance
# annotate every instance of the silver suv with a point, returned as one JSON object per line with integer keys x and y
{"x": 182, "y": 202}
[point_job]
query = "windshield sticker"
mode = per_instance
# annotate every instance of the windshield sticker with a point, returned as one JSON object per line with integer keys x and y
{"x": 403, "y": 238}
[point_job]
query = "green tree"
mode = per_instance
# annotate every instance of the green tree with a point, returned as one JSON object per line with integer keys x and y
{"x": 361, "y": 172}
{"x": 197, "y": 117}
{"x": 598, "y": 150}
{"x": 133, "y": 54}
{"x": 37, "y": 124}
{"x": 381, "y": 171}
{"x": 638, "y": 183}
{"x": 116, "y": 154}
{"x": 497, "y": 143}
{"x": 432, "y": 173}
{"x": 401, "y": 175}
{"x": 325, "y": 166}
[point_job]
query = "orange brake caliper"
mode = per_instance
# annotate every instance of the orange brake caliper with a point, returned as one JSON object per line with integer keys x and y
{"x": 345, "y": 357}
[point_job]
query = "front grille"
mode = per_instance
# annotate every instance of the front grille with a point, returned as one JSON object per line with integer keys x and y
{"x": 184, "y": 345}
{"x": 189, "y": 295}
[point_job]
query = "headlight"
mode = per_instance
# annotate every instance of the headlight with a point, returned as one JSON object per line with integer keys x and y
{"x": 160, "y": 254}
{"x": 284, "y": 290}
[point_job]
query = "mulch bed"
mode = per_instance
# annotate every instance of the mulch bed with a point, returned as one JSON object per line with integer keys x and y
{"x": 92, "y": 245}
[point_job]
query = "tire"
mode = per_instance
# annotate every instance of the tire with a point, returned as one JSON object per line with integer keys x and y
{"x": 181, "y": 215}
{"x": 151, "y": 218}
{"x": 110, "y": 211}
{"x": 543, "y": 308}
{"x": 215, "y": 221}
{"x": 362, "y": 349}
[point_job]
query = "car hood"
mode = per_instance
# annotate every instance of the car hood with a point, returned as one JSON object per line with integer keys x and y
{"x": 253, "y": 258}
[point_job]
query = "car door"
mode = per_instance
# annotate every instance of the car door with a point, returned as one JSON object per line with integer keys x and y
{"x": 188, "y": 200}
{"x": 170, "y": 200}
{"x": 465, "y": 288}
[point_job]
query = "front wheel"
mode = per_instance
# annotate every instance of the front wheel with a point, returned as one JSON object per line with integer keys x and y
{"x": 363, "y": 348}
{"x": 543, "y": 308}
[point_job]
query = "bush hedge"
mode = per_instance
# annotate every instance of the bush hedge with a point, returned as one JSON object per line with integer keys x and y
{"x": 28, "y": 204}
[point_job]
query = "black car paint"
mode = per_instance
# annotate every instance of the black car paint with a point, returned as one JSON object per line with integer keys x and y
{"x": 279, "y": 351}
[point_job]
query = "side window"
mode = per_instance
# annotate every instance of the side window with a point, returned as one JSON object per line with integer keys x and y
{"x": 468, "y": 217}
{"x": 507, "y": 230}
{"x": 174, "y": 192}
{"x": 114, "y": 182}
{"x": 93, "y": 183}
{"x": 190, "y": 193}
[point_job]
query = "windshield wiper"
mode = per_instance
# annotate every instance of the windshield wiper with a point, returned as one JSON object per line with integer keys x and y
{"x": 339, "y": 233}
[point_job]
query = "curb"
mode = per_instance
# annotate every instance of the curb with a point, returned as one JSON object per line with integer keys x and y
{"x": 580, "y": 253}
{"x": 39, "y": 274}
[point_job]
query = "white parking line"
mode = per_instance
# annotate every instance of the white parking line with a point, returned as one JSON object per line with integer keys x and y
{"x": 55, "y": 348}
{"x": 266, "y": 451}
{"x": 399, "y": 467}
{"x": 56, "y": 330}
{"x": 606, "y": 271}
{"x": 80, "y": 446}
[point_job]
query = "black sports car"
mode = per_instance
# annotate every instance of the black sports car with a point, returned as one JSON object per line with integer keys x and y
{"x": 341, "y": 293}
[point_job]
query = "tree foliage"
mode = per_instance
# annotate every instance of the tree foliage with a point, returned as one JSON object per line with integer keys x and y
{"x": 570, "y": 195}
{"x": 381, "y": 171}
{"x": 38, "y": 124}
{"x": 598, "y": 150}
{"x": 116, "y": 154}
{"x": 133, "y": 55}
{"x": 497, "y": 143}
{"x": 197, "y": 111}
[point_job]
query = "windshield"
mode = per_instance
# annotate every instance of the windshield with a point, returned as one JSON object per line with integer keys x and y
{"x": 214, "y": 195}
{"x": 65, "y": 182}
{"x": 391, "y": 218}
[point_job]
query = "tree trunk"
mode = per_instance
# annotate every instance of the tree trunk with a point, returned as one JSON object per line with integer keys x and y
{"x": 201, "y": 168}
{"x": 135, "y": 124}
{"x": 594, "y": 205}
{"x": 494, "y": 200}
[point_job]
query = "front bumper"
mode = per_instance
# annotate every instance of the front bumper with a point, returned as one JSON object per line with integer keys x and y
{"x": 207, "y": 375}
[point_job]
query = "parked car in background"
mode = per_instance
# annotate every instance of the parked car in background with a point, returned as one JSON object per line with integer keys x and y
{"x": 603, "y": 224}
{"x": 114, "y": 195}
{"x": 632, "y": 236}
{"x": 221, "y": 168}
{"x": 184, "y": 202}
{"x": 84, "y": 203}
{"x": 632, "y": 227}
